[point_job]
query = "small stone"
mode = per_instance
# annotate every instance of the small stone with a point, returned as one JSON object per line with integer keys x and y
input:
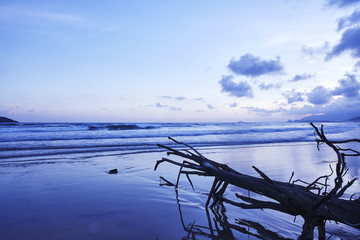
{"x": 113, "y": 171}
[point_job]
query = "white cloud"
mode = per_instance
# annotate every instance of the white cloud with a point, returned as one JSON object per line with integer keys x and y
{"x": 252, "y": 66}
{"x": 349, "y": 42}
{"x": 300, "y": 77}
{"x": 349, "y": 87}
{"x": 210, "y": 107}
{"x": 233, "y": 105}
{"x": 294, "y": 96}
{"x": 176, "y": 109}
{"x": 264, "y": 86}
{"x": 319, "y": 96}
{"x": 349, "y": 21}
{"x": 172, "y": 108}
{"x": 241, "y": 89}
{"x": 319, "y": 51}
{"x": 340, "y": 109}
{"x": 342, "y": 3}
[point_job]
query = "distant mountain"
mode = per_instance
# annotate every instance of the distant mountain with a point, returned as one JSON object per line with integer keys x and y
{"x": 357, "y": 119}
{"x": 320, "y": 118}
{"x": 329, "y": 118}
{"x": 6, "y": 120}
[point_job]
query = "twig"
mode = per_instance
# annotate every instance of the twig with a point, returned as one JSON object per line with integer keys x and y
{"x": 199, "y": 154}
{"x": 168, "y": 183}
{"x": 263, "y": 175}
{"x": 292, "y": 175}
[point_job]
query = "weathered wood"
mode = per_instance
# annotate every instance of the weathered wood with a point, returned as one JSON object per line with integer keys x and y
{"x": 295, "y": 199}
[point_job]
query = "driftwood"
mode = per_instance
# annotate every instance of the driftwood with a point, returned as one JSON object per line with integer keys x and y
{"x": 315, "y": 202}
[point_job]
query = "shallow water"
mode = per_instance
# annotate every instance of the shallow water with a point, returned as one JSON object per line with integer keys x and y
{"x": 71, "y": 196}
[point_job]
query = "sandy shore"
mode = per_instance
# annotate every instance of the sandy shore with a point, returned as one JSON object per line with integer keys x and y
{"x": 70, "y": 197}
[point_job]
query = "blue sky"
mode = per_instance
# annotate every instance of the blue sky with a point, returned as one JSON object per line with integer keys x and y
{"x": 179, "y": 60}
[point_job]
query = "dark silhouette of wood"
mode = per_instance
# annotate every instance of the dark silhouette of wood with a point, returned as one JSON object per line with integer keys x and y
{"x": 314, "y": 202}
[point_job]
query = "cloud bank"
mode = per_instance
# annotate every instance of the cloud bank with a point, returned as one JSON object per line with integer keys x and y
{"x": 349, "y": 42}
{"x": 251, "y": 66}
{"x": 318, "y": 100}
{"x": 349, "y": 87}
{"x": 345, "y": 106}
{"x": 340, "y": 103}
{"x": 349, "y": 21}
{"x": 342, "y": 3}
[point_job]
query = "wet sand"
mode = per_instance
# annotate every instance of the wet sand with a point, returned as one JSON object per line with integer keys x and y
{"x": 71, "y": 197}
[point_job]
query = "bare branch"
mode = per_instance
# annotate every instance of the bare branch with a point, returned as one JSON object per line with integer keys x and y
{"x": 263, "y": 175}
{"x": 292, "y": 175}
{"x": 347, "y": 141}
{"x": 196, "y": 173}
{"x": 342, "y": 191}
{"x": 195, "y": 167}
{"x": 199, "y": 154}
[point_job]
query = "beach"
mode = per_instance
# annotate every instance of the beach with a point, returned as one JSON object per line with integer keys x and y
{"x": 107, "y": 109}
{"x": 73, "y": 196}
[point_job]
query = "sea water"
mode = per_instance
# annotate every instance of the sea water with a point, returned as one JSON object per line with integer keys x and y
{"x": 39, "y": 139}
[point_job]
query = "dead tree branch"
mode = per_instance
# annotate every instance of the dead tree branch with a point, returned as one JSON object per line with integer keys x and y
{"x": 291, "y": 198}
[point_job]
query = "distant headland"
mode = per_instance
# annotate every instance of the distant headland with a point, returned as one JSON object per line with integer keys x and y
{"x": 7, "y": 120}
{"x": 328, "y": 118}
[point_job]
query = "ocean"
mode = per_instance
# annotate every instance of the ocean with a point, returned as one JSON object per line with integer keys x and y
{"x": 55, "y": 181}
{"x": 20, "y": 140}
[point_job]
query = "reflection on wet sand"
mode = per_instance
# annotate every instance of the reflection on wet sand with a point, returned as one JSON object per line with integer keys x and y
{"x": 220, "y": 228}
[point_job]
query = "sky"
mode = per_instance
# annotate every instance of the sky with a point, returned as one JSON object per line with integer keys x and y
{"x": 179, "y": 61}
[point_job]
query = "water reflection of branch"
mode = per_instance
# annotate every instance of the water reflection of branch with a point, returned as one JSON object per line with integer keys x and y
{"x": 195, "y": 229}
{"x": 220, "y": 228}
{"x": 263, "y": 233}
